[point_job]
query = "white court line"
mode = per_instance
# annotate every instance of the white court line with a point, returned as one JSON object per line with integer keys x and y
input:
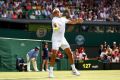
{"x": 64, "y": 77}
{"x": 25, "y": 78}
{"x": 23, "y": 39}
{"x": 112, "y": 76}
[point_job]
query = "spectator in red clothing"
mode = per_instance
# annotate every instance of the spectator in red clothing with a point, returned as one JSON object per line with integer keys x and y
{"x": 14, "y": 15}
{"x": 82, "y": 55}
{"x": 101, "y": 9}
{"x": 59, "y": 55}
{"x": 28, "y": 7}
{"x": 115, "y": 53}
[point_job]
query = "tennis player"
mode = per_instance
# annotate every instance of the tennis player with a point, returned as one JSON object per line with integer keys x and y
{"x": 58, "y": 40}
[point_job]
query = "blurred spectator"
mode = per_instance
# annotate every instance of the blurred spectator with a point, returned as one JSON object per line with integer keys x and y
{"x": 76, "y": 54}
{"x": 59, "y": 55}
{"x": 47, "y": 13}
{"x": 106, "y": 59}
{"x": 37, "y": 13}
{"x": 110, "y": 30}
{"x": 109, "y": 49}
{"x": 33, "y": 16}
{"x": 20, "y": 64}
{"x": 28, "y": 6}
{"x": 14, "y": 15}
{"x": 115, "y": 59}
{"x": 4, "y": 14}
{"x": 18, "y": 10}
{"x": 80, "y": 54}
{"x": 100, "y": 49}
{"x": 114, "y": 45}
{"x": 105, "y": 44}
{"x": 110, "y": 54}
{"x": 103, "y": 53}
{"x": 89, "y": 16}
{"x": 20, "y": 15}
{"x": 102, "y": 10}
{"x": 9, "y": 15}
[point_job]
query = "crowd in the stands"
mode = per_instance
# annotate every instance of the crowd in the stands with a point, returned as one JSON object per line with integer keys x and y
{"x": 89, "y": 10}
{"x": 107, "y": 53}
{"x": 110, "y": 53}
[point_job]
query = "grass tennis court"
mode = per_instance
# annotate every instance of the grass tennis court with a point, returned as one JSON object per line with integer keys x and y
{"x": 62, "y": 75}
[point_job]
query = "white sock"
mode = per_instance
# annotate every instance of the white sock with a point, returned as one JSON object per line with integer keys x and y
{"x": 51, "y": 68}
{"x": 73, "y": 66}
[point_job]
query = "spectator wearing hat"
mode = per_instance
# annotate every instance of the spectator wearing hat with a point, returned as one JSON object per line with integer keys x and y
{"x": 32, "y": 57}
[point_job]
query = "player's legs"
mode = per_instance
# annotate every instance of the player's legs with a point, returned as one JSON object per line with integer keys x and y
{"x": 46, "y": 63}
{"x": 69, "y": 53}
{"x": 34, "y": 64}
{"x": 28, "y": 63}
{"x": 71, "y": 60}
{"x": 55, "y": 47}
{"x": 53, "y": 58}
{"x": 52, "y": 62}
{"x": 65, "y": 46}
{"x": 43, "y": 65}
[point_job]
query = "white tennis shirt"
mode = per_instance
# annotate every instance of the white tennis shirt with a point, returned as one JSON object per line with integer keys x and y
{"x": 58, "y": 39}
{"x": 61, "y": 23}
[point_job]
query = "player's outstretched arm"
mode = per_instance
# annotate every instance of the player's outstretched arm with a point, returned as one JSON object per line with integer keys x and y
{"x": 75, "y": 21}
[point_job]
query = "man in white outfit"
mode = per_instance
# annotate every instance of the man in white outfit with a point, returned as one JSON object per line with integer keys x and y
{"x": 32, "y": 57}
{"x": 58, "y": 39}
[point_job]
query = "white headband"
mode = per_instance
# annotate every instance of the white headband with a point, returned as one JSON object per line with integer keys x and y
{"x": 56, "y": 9}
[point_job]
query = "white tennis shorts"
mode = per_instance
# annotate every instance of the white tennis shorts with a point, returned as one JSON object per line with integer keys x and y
{"x": 56, "y": 44}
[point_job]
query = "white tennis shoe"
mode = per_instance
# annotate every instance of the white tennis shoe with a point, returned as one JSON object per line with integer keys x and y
{"x": 76, "y": 72}
{"x": 51, "y": 74}
{"x": 47, "y": 70}
{"x": 43, "y": 70}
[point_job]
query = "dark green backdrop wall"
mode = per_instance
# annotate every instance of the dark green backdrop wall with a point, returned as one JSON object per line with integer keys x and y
{"x": 9, "y": 48}
{"x": 91, "y": 40}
